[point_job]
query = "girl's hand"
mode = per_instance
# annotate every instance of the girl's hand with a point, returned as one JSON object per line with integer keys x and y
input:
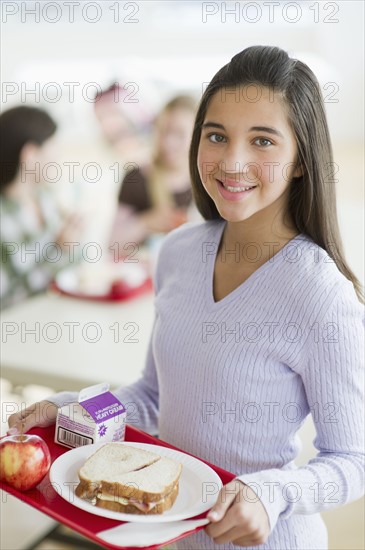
{"x": 238, "y": 516}
{"x": 40, "y": 414}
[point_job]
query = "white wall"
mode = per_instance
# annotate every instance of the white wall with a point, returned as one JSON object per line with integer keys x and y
{"x": 171, "y": 38}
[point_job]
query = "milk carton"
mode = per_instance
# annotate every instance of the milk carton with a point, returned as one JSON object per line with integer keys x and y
{"x": 98, "y": 416}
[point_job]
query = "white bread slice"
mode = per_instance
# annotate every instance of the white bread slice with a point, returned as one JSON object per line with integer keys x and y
{"x": 150, "y": 484}
{"x": 108, "y": 463}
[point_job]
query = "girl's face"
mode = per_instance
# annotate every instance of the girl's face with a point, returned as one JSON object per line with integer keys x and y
{"x": 37, "y": 161}
{"x": 172, "y": 136}
{"x": 247, "y": 152}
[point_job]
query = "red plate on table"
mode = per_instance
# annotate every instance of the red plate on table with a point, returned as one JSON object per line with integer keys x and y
{"x": 104, "y": 282}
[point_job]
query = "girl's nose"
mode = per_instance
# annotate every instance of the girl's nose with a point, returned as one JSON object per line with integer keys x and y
{"x": 236, "y": 163}
{"x": 234, "y": 159}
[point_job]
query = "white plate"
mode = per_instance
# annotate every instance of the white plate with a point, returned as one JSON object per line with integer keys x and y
{"x": 96, "y": 279}
{"x": 198, "y": 487}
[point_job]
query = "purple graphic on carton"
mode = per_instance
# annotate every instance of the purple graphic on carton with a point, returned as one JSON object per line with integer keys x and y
{"x": 103, "y": 407}
{"x": 102, "y": 430}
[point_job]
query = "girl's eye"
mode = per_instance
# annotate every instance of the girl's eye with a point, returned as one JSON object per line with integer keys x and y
{"x": 263, "y": 142}
{"x": 216, "y": 138}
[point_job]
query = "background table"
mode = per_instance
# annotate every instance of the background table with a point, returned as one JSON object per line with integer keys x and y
{"x": 66, "y": 343}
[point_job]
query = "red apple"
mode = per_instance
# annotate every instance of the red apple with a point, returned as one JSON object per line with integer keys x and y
{"x": 24, "y": 460}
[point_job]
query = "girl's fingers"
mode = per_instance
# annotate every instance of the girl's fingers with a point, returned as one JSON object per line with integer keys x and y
{"x": 220, "y": 516}
{"x": 12, "y": 431}
{"x": 220, "y": 528}
{"x": 15, "y": 419}
{"x": 225, "y": 498}
{"x": 24, "y": 422}
{"x": 40, "y": 414}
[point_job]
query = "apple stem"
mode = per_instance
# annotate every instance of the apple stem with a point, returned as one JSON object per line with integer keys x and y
{"x": 22, "y": 426}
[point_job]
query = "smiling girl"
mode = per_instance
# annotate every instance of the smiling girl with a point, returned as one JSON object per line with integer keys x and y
{"x": 247, "y": 157}
{"x": 258, "y": 320}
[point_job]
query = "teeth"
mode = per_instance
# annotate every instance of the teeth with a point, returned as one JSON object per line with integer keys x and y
{"x": 236, "y": 189}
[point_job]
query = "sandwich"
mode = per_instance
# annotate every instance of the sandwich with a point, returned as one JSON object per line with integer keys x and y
{"x": 127, "y": 479}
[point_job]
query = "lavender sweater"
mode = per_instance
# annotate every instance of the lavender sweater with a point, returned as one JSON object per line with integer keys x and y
{"x": 232, "y": 381}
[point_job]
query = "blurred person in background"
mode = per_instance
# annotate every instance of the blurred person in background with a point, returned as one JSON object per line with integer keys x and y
{"x": 155, "y": 198}
{"x": 34, "y": 235}
{"x": 124, "y": 122}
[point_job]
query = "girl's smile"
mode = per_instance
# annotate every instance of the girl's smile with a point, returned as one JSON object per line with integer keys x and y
{"x": 247, "y": 153}
{"x": 232, "y": 190}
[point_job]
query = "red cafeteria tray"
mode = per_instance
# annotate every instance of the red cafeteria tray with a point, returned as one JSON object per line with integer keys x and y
{"x": 45, "y": 499}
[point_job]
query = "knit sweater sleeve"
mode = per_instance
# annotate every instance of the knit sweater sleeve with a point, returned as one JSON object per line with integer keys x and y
{"x": 141, "y": 399}
{"x": 331, "y": 366}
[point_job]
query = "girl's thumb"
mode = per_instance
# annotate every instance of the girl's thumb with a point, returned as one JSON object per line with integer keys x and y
{"x": 225, "y": 499}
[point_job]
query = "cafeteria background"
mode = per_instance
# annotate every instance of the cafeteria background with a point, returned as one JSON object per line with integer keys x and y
{"x": 57, "y": 55}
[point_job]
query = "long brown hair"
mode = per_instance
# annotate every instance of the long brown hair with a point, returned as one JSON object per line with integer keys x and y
{"x": 312, "y": 196}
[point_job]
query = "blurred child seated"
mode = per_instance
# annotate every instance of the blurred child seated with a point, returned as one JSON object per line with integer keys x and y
{"x": 155, "y": 198}
{"x": 124, "y": 123}
{"x": 34, "y": 236}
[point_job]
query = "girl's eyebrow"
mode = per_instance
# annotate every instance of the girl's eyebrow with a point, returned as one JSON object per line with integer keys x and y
{"x": 267, "y": 129}
{"x": 213, "y": 125}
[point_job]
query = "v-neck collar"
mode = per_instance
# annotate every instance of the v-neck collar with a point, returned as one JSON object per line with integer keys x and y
{"x": 217, "y": 234}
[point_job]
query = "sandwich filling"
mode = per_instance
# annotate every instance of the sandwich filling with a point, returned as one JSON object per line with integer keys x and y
{"x": 144, "y": 507}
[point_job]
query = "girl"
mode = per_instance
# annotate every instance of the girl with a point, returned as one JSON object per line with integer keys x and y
{"x": 258, "y": 320}
{"x": 123, "y": 121}
{"x": 30, "y": 218}
{"x": 156, "y": 198}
